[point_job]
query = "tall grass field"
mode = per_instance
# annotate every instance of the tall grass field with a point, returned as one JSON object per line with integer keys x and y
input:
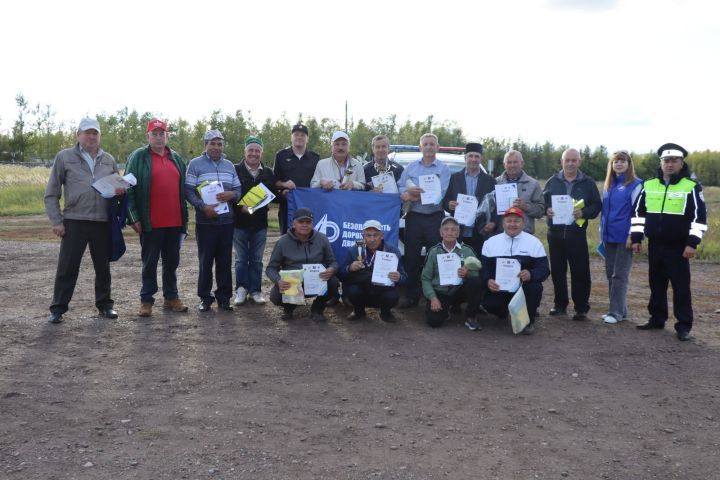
{"x": 22, "y": 190}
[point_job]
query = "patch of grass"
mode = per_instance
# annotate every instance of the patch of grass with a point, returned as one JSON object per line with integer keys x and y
{"x": 22, "y": 200}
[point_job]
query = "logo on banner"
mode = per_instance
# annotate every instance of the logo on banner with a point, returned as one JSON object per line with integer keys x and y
{"x": 324, "y": 225}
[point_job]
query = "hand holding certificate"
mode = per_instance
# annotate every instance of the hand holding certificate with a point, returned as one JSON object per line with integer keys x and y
{"x": 294, "y": 295}
{"x": 387, "y": 181}
{"x": 108, "y": 186}
{"x": 209, "y": 193}
{"x": 432, "y": 190}
{"x": 507, "y": 274}
{"x": 448, "y": 266}
{"x": 385, "y": 263}
{"x": 311, "y": 279}
{"x": 562, "y": 206}
{"x": 466, "y": 209}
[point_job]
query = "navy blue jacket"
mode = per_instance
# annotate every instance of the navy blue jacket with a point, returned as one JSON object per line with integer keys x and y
{"x": 617, "y": 210}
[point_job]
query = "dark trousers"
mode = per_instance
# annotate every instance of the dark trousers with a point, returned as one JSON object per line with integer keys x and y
{"x": 569, "y": 246}
{"x": 283, "y": 216}
{"x": 469, "y": 291}
{"x": 78, "y": 234}
{"x": 215, "y": 243}
{"x": 667, "y": 264}
{"x": 363, "y": 295}
{"x": 318, "y": 304}
{"x": 497, "y": 303}
{"x": 156, "y": 244}
{"x": 420, "y": 231}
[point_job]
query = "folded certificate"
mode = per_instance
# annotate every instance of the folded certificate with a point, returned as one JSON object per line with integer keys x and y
{"x": 106, "y": 186}
{"x": 387, "y": 180}
{"x": 209, "y": 194}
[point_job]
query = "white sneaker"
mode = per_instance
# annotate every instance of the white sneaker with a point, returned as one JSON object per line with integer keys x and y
{"x": 241, "y": 296}
{"x": 258, "y": 298}
{"x": 610, "y": 319}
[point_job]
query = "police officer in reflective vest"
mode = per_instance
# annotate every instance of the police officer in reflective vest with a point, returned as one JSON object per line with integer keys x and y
{"x": 670, "y": 211}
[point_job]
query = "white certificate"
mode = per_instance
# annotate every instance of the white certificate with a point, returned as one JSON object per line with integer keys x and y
{"x": 448, "y": 265}
{"x": 387, "y": 180}
{"x": 312, "y": 284}
{"x": 432, "y": 190}
{"x": 106, "y": 186}
{"x": 385, "y": 262}
{"x": 466, "y": 209}
{"x": 209, "y": 194}
{"x": 506, "y": 274}
{"x": 562, "y": 206}
{"x": 505, "y": 195}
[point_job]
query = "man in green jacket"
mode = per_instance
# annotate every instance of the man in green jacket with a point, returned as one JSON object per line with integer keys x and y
{"x": 158, "y": 213}
{"x": 442, "y": 291}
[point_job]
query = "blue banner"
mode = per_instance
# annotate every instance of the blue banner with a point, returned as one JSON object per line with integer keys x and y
{"x": 340, "y": 214}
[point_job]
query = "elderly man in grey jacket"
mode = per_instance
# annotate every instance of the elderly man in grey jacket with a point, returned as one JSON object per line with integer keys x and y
{"x": 530, "y": 198}
{"x": 83, "y": 220}
{"x": 302, "y": 245}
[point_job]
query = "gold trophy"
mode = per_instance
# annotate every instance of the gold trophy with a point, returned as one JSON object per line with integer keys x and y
{"x": 360, "y": 246}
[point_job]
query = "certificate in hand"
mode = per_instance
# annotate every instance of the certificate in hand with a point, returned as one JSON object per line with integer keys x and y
{"x": 466, "y": 209}
{"x": 448, "y": 265}
{"x": 506, "y": 274}
{"x": 107, "y": 185}
{"x": 311, "y": 279}
{"x": 387, "y": 181}
{"x": 385, "y": 262}
{"x": 432, "y": 190}
{"x": 209, "y": 194}
{"x": 562, "y": 206}
{"x": 505, "y": 195}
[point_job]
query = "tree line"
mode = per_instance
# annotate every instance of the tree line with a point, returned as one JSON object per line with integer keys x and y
{"x": 37, "y": 136}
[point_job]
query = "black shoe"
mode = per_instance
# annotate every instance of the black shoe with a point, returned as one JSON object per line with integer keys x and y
{"x": 55, "y": 317}
{"x": 204, "y": 307}
{"x": 650, "y": 326}
{"x": 580, "y": 316}
{"x": 529, "y": 329}
{"x": 355, "y": 316}
{"x": 108, "y": 313}
{"x": 226, "y": 306}
{"x": 318, "y": 317}
{"x": 683, "y": 336}
{"x": 555, "y": 311}
{"x": 287, "y": 314}
{"x": 333, "y": 301}
{"x": 408, "y": 303}
{"x": 387, "y": 317}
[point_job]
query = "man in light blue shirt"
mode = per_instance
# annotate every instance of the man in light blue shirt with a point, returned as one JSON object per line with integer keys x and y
{"x": 423, "y": 218}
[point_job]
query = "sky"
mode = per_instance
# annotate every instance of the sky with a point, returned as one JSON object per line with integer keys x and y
{"x": 626, "y": 74}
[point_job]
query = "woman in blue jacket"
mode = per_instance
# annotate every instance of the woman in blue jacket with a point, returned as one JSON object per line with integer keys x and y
{"x": 619, "y": 193}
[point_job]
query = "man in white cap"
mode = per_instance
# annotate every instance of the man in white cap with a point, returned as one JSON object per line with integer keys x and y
{"x": 213, "y": 221}
{"x": 356, "y": 271}
{"x": 670, "y": 211}
{"x": 83, "y": 220}
{"x": 340, "y": 170}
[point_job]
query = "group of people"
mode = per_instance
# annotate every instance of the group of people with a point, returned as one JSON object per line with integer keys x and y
{"x": 669, "y": 210}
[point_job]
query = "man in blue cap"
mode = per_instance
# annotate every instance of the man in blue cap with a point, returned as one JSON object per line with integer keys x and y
{"x": 213, "y": 221}
{"x": 670, "y": 211}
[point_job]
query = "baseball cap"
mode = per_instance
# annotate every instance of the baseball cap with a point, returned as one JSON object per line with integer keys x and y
{"x": 211, "y": 134}
{"x": 300, "y": 128}
{"x": 88, "y": 123}
{"x": 514, "y": 211}
{"x": 339, "y": 134}
{"x": 449, "y": 219}
{"x": 302, "y": 213}
{"x": 373, "y": 224}
{"x": 154, "y": 124}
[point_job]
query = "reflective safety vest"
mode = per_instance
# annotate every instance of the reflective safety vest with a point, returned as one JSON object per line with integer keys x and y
{"x": 670, "y": 199}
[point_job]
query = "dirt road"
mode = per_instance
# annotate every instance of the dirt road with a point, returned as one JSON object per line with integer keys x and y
{"x": 244, "y": 395}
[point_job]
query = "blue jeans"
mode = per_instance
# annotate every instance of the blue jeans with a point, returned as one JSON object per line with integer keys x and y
{"x": 249, "y": 247}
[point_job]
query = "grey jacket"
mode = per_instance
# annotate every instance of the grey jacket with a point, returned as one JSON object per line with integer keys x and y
{"x": 530, "y": 192}
{"x": 71, "y": 174}
{"x": 290, "y": 253}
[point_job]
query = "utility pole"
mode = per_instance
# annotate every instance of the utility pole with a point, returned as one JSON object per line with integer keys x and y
{"x": 346, "y": 119}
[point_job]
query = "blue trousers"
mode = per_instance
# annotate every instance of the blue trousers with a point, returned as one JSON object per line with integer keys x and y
{"x": 214, "y": 243}
{"x": 249, "y": 247}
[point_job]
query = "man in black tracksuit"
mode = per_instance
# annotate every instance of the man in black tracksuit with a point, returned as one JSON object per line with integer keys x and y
{"x": 568, "y": 243}
{"x": 670, "y": 211}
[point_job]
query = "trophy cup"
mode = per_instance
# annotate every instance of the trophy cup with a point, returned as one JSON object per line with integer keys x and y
{"x": 360, "y": 247}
